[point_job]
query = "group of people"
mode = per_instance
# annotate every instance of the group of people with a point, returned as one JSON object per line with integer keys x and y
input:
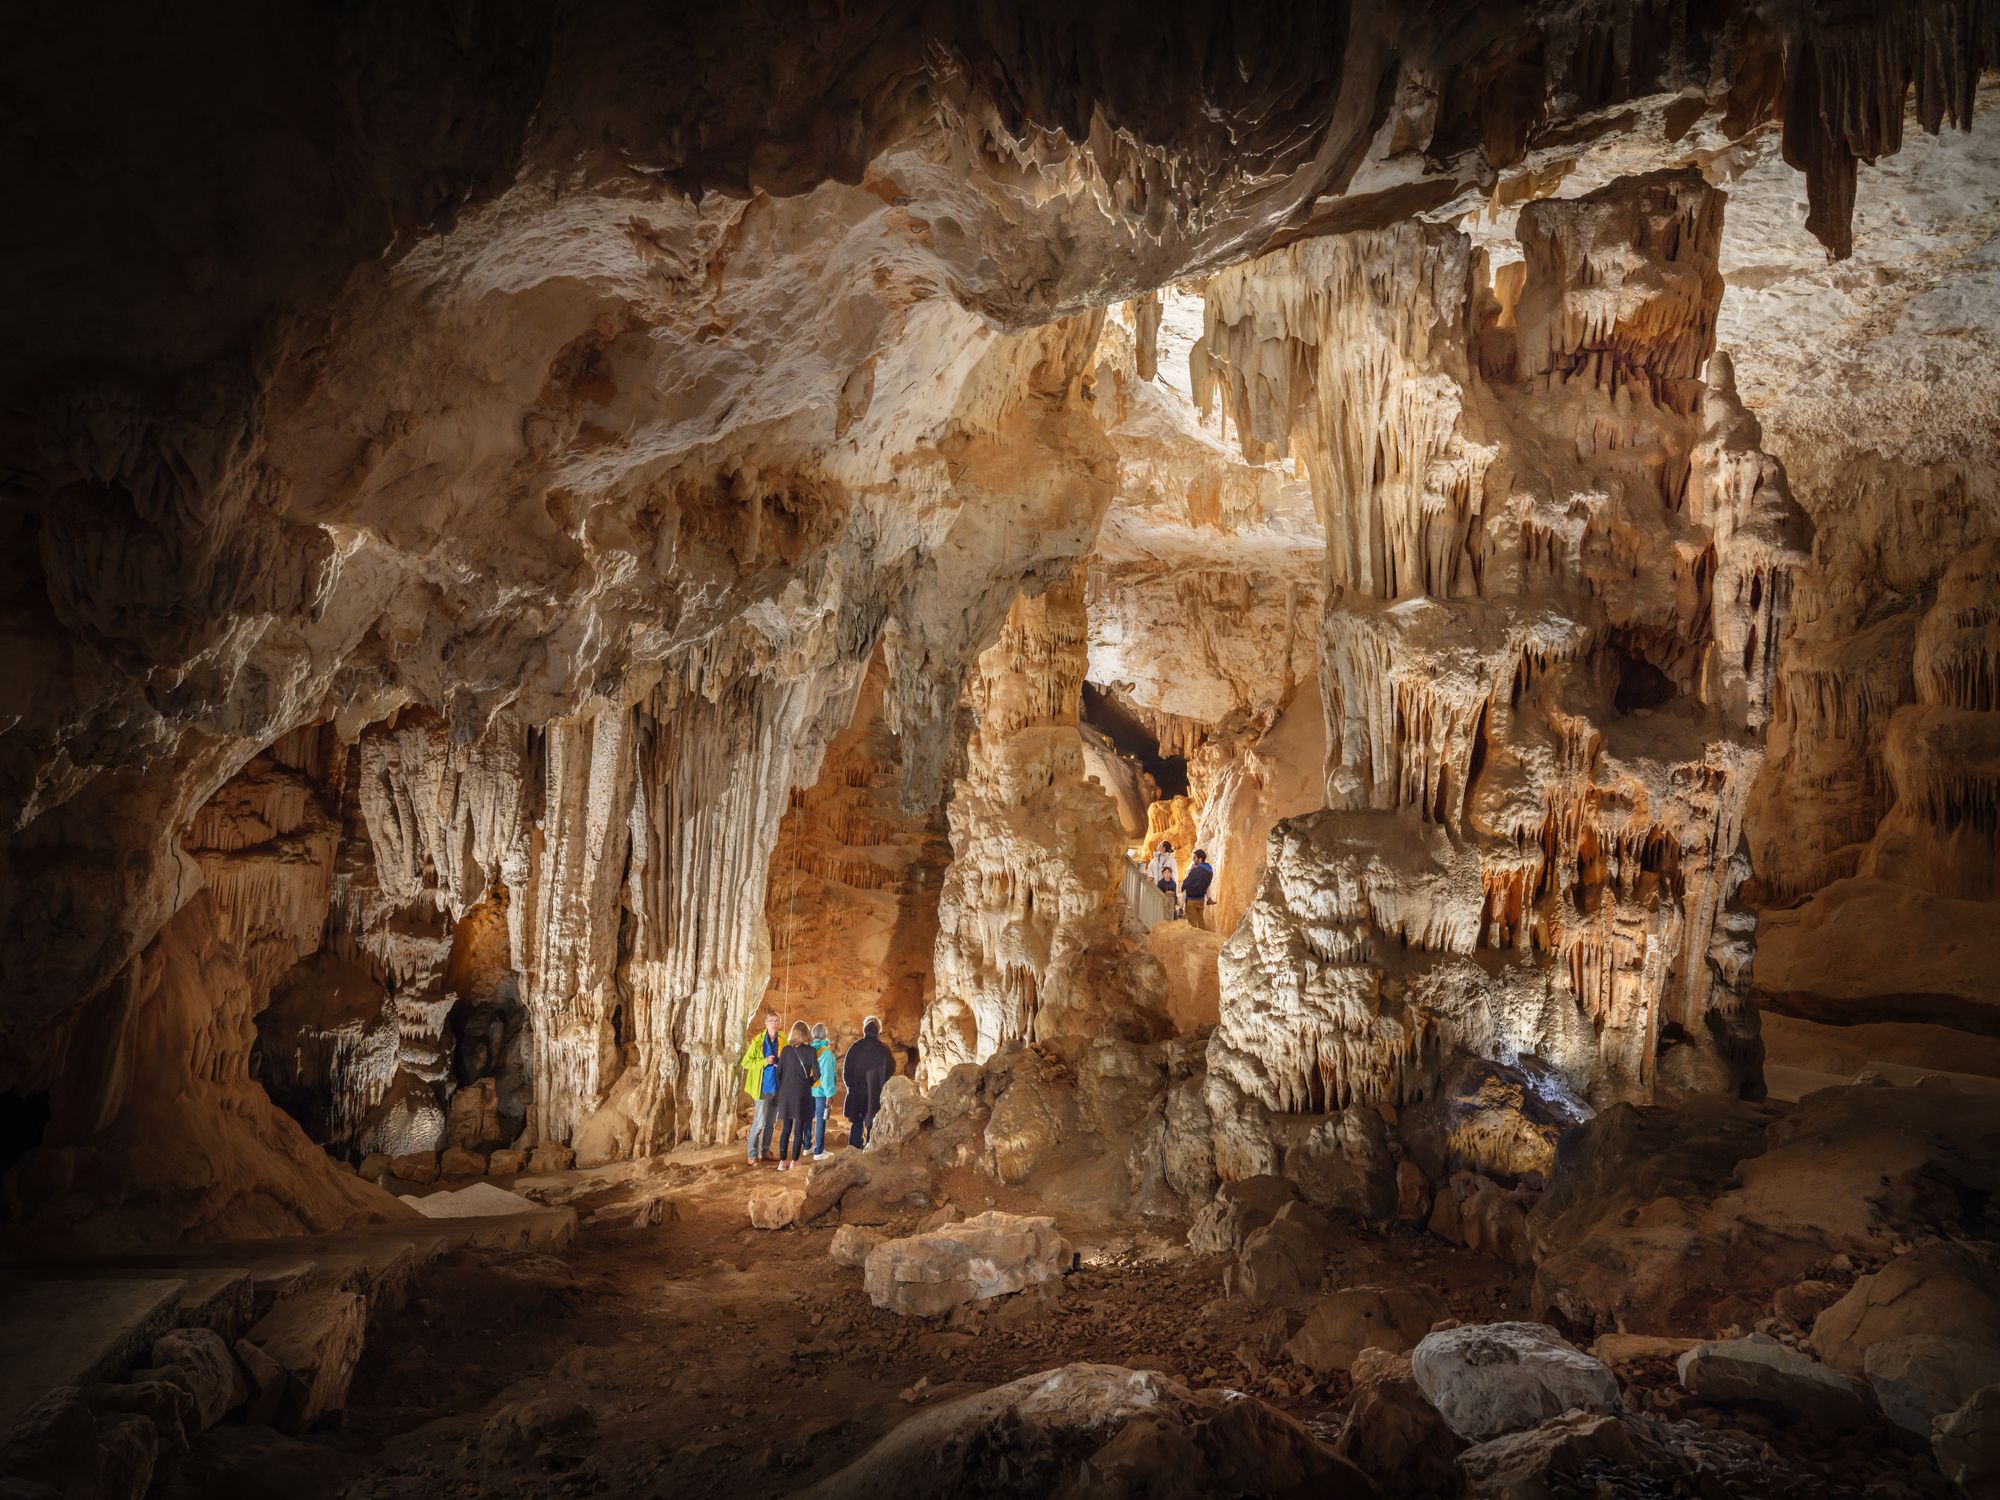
{"x": 1188, "y": 898}
{"x": 792, "y": 1084}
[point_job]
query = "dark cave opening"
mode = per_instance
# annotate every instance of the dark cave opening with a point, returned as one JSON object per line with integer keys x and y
{"x": 1132, "y": 739}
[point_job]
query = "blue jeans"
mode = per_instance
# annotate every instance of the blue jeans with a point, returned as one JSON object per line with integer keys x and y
{"x": 819, "y": 1126}
{"x": 761, "y": 1125}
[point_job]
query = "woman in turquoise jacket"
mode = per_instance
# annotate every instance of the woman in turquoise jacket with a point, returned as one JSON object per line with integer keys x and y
{"x": 824, "y": 1089}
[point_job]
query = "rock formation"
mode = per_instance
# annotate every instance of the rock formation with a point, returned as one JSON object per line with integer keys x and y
{"x": 538, "y": 532}
{"x": 1557, "y": 565}
{"x": 1028, "y": 919}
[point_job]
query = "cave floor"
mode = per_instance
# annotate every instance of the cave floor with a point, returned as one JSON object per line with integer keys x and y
{"x": 702, "y": 1356}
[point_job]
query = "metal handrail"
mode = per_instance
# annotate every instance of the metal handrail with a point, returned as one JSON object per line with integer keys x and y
{"x": 1147, "y": 901}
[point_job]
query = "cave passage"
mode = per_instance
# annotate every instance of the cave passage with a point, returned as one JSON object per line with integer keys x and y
{"x": 1130, "y": 737}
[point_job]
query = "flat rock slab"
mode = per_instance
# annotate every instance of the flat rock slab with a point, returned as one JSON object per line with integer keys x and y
{"x": 989, "y": 1255}
{"x": 380, "y": 1270}
{"x": 479, "y": 1201}
{"x": 1759, "y": 1368}
{"x": 1494, "y": 1378}
{"x": 73, "y": 1333}
{"x": 315, "y": 1338}
{"x": 1529, "y": 1463}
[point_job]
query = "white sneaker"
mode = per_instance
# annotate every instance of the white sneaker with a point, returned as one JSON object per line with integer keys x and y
{"x": 819, "y": 1156}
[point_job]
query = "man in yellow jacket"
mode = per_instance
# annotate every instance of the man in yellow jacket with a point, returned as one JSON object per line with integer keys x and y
{"x": 760, "y": 1082}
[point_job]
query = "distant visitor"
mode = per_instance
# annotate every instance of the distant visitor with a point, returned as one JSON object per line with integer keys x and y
{"x": 826, "y": 1083}
{"x": 1160, "y": 870}
{"x": 1194, "y": 890}
{"x": 760, "y": 1082}
{"x": 868, "y": 1067}
{"x": 798, "y": 1075}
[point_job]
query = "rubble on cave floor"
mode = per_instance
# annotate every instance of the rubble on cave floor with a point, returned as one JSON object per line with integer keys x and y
{"x": 700, "y": 1354}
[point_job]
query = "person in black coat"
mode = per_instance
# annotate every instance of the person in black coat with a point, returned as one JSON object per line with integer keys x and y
{"x": 867, "y": 1068}
{"x": 798, "y": 1070}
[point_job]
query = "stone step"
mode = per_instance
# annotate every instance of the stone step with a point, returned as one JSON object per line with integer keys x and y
{"x": 74, "y": 1322}
{"x": 214, "y": 1297}
{"x": 77, "y": 1330}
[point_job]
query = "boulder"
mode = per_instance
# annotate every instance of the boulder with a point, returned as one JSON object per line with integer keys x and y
{"x": 416, "y": 1166}
{"x": 1923, "y": 1376}
{"x": 1413, "y": 1193}
{"x": 1497, "y": 1121}
{"x": 1117, "y": 1084}
{"x": 1966, "y": 1444}
{"x": 1939, "y": 1288}
{"x": 374, "y": 1167}
{"x": 1280, "y": 1261}
{"x": 473, "y": 1119}
{"x": 1397, "y": 1438}
{"x": 57, "y": 1447}
{"x": 1803, "y": 1301}
{"x": 1478, "y": 1213}
{"x": 1535, "y": 1462}
{"x": 960, "y": 1095}
{"x": 1493, "y": 1378}
{"x": 851, "y": 1244}
{"x": 538, "y": 1426}
{"x": 776, "y": 1205}
{"x": 1237, "y": 1209}
{"x": 1033, "y": 1115}
{"x": 989, "y": 1255}
{"x": 1341, "y": 1324}
{"x": 890, "y": 1190}
{"x": 267, "y": 1382}
{"x": 506, "y": 1162}
{"x": 903, "y": 1112}
{"x": 204, "y": 1365}
{"x": 314, "y": 1337}
{"x": 457, "y": 1162}
{"x": 1759, "y": 1368}
{"x": 550, "y": 1157}
{"x": 867, "y": 1187}
{"x": 163, "y": 1402}
{"x": 1340, "y": 1162}
{"x": 1682, "y": 1218}
{"x": 1100, "y": 1430}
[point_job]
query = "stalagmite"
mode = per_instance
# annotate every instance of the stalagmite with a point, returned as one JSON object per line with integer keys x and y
{"x": 1028, "y": 919}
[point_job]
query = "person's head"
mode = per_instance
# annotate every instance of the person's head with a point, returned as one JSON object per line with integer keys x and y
{"x": 801, "y": 1033}
{"x": 819, "y": 1031}
{"x": 1201, "y": 856}
{"x": 871, "y": 1027}
{"x": 770, "y": 1023}
{"x": 1167, "y": 846}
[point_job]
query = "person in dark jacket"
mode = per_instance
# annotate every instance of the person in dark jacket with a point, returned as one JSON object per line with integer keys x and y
{"x": 798, "y": 1070}
{"x": 1194, "y": 890}
{"x": 867, "y": 1068}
